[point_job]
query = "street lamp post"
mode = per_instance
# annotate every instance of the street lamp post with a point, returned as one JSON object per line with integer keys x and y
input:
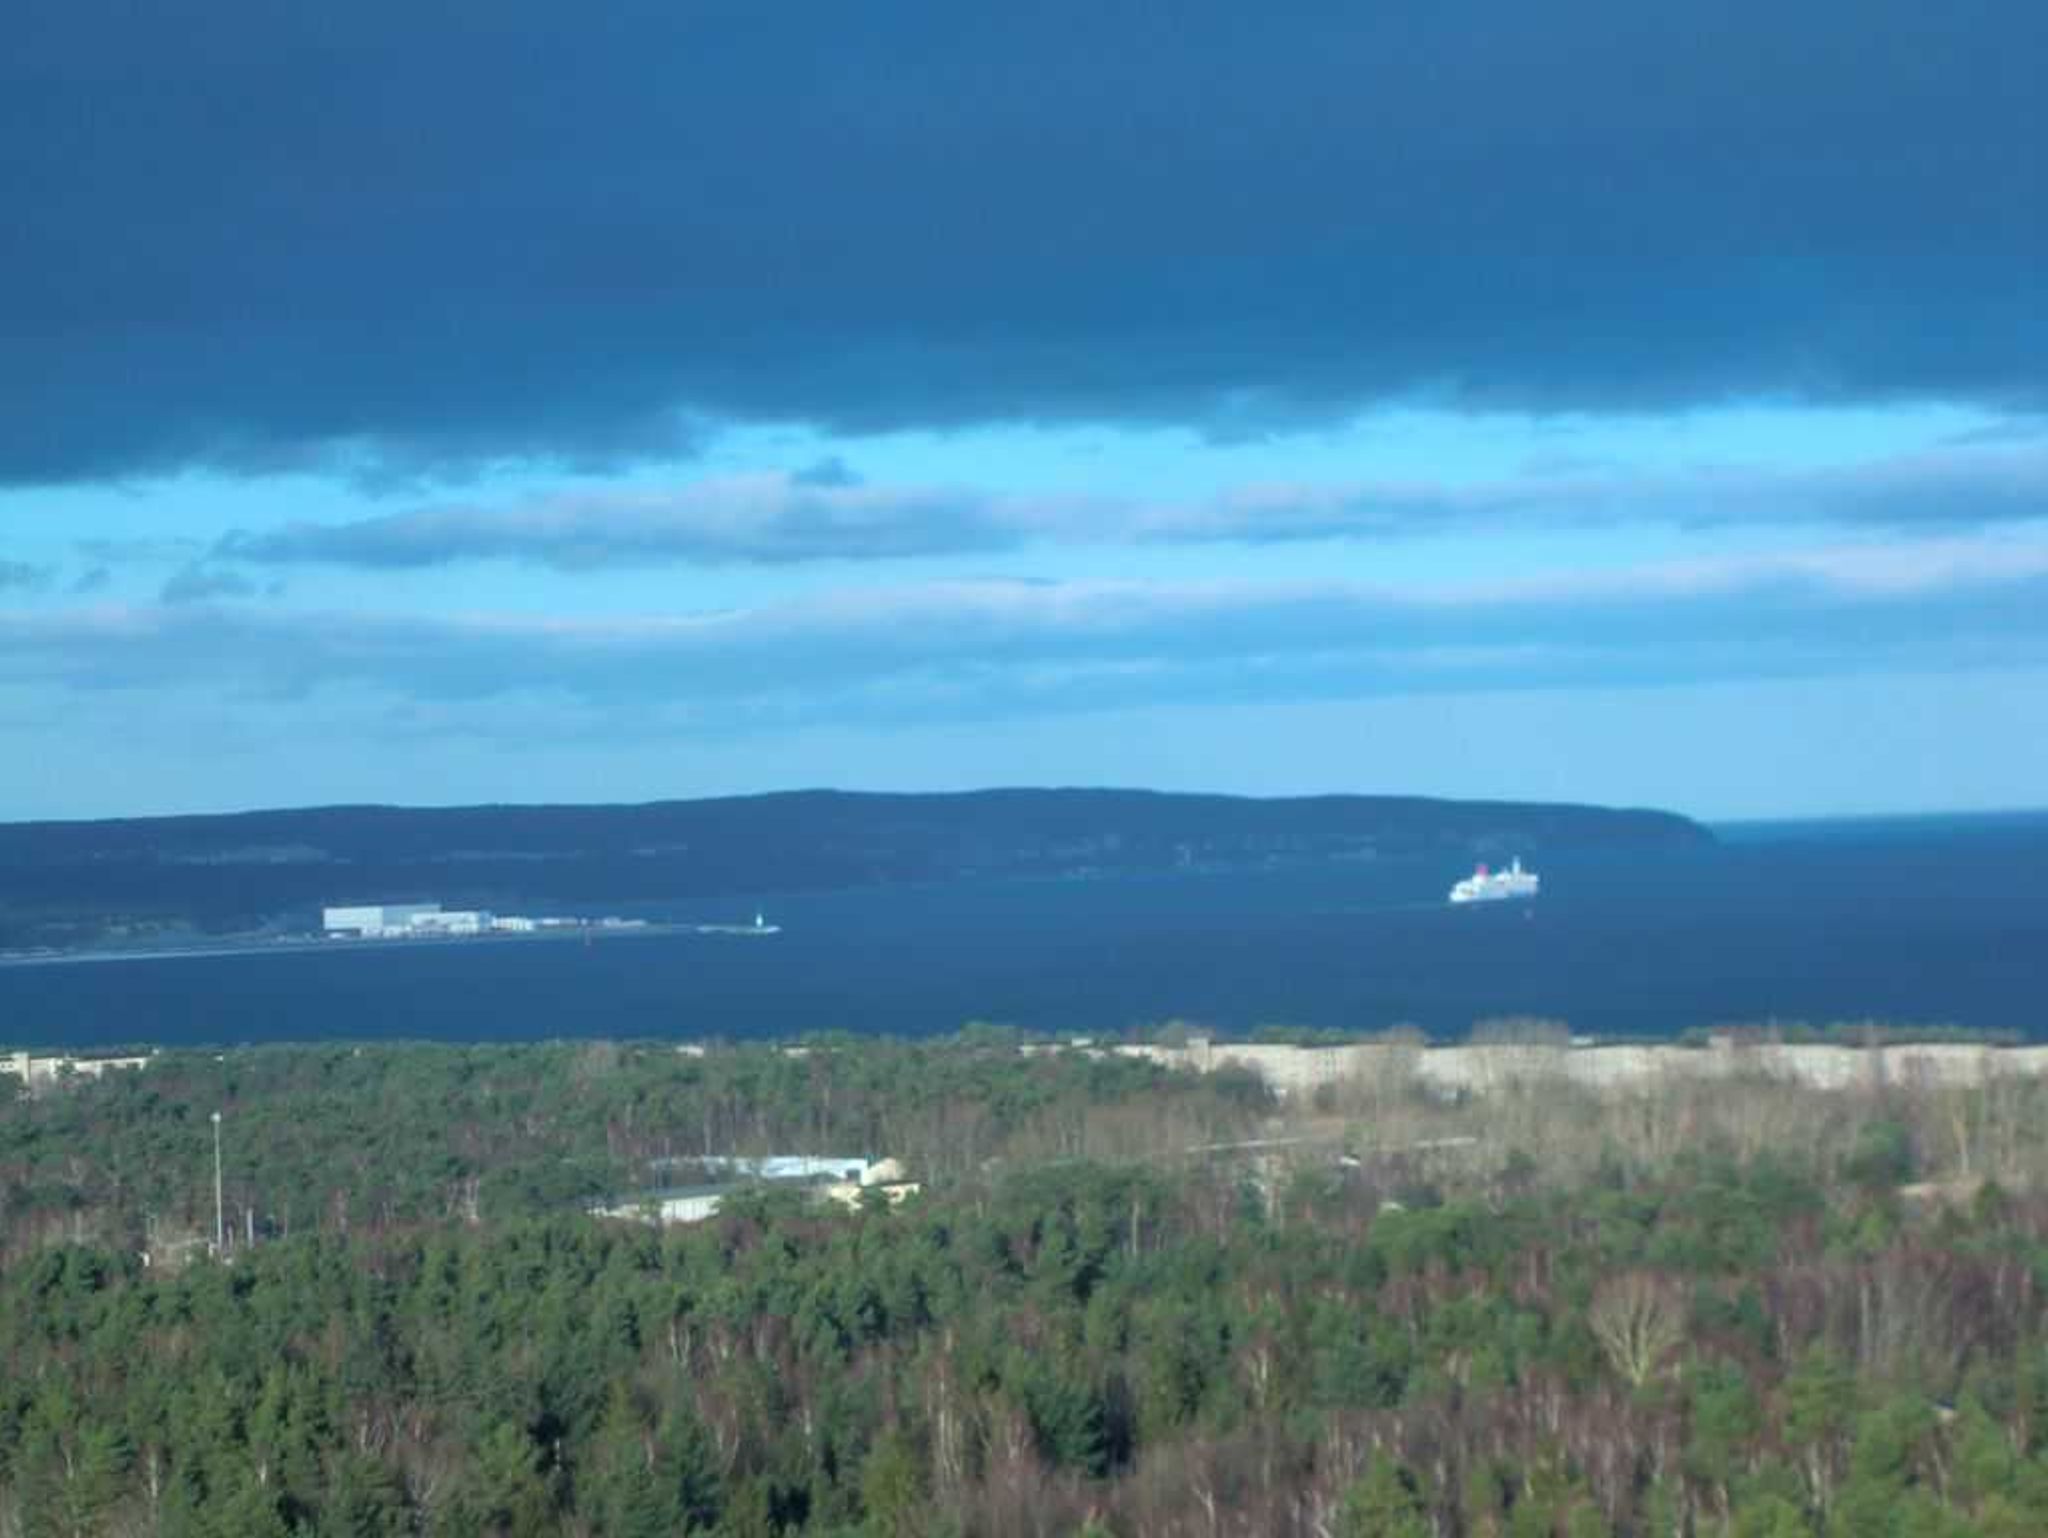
{"x": 220, "y": 1236}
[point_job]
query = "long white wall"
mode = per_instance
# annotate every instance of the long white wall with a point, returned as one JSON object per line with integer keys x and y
{"x": 1479, "y": 1068}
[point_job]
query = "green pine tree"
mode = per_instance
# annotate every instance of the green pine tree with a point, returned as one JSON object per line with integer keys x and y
{"x": 1383, "y": 1504}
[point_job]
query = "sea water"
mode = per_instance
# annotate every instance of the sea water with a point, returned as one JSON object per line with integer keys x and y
{"x": 1921, "y": 921}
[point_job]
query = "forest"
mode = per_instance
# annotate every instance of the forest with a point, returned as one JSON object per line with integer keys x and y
{"x": 1126, "y": 1302}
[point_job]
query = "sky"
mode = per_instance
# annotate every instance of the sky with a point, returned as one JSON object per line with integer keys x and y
{"x": 459, "y": 402}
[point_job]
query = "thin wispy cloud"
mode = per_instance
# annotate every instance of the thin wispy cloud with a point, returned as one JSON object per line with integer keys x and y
{"x": 205, "y": 584}
{"x": 22, "y": 576}
{"x": 160, "y": 550}
{"x": 756, "y": 520}
{"x": 776, "y": 519}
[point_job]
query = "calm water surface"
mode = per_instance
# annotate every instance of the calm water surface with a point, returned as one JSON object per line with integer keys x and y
{"x": 1934, "y": 920}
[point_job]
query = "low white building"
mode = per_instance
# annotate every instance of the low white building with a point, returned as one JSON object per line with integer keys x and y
{"x": 846, "y": 1167}
{"x": 683, "y": 1204}
{"x": 375, "y": 918}
{"x": 844, "y": 1180}
{"x": 50, "y": 1070}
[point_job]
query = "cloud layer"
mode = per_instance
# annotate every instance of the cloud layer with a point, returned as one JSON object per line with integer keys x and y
{"x": 397, "y": 237}
{"x": 981, "y": 649}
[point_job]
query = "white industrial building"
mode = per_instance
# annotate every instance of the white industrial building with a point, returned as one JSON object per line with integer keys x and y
{"x": 385, "y": 921}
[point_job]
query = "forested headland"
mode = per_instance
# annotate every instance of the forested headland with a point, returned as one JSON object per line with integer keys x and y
{"x": 1126, "y": 1302}
{"x": 78, "y": 883}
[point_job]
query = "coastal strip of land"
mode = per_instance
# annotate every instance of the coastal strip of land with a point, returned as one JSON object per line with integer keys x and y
{"x": 327, "y": 945}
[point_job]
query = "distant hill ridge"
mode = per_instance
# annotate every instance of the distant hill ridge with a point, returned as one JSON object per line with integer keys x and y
{"x": 240, "y": 870}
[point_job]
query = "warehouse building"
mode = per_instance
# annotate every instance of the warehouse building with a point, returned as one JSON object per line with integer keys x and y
{"x": 401, "y": 920}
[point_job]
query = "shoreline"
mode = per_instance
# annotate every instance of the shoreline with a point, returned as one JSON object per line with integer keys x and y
{"x": 300, "y": 945}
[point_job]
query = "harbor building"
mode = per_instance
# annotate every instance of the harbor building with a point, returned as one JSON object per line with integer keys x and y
{"x": 391, "y": 921}
{"x": 375, "y": 918}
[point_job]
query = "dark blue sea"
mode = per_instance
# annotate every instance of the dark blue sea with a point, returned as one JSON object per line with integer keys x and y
{"x": 1922, "y": 921}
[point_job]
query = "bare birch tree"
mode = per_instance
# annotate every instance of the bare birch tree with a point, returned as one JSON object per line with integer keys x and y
{"x": 1639, "y": 1320}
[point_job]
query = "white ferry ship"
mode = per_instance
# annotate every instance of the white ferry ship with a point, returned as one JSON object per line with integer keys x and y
{"x": 1497, "y": 886}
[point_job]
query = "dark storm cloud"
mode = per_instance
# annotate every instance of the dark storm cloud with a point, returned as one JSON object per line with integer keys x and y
{"x": 399, "y": 238}
{"x": 784, "y": 520}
